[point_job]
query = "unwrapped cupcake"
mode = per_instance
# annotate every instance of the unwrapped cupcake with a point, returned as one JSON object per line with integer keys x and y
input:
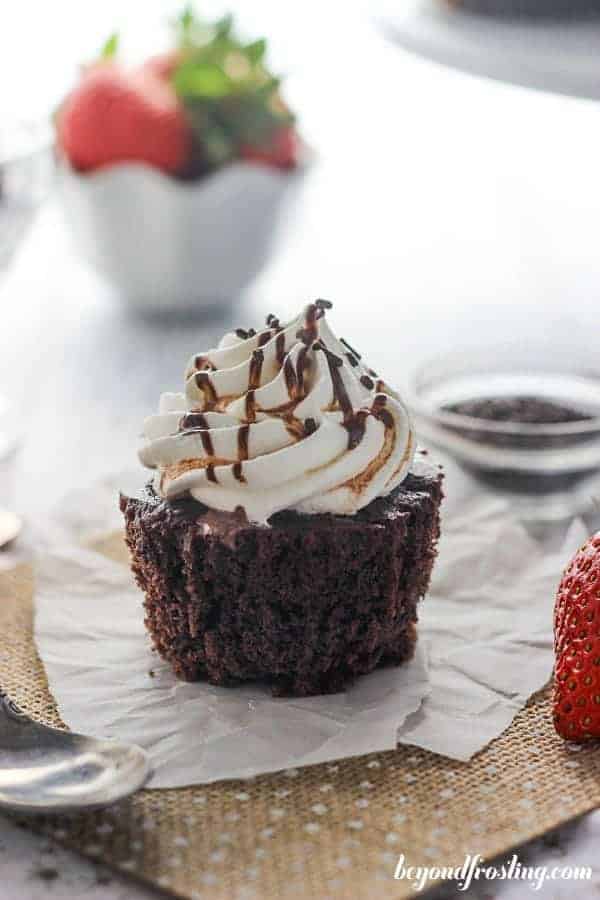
{"x": 288, "y": 533}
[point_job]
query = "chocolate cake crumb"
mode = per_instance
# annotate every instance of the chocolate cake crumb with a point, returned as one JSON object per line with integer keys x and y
{"x": 306, "y": 603}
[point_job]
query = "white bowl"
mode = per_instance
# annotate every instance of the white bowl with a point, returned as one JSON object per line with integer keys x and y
{"x": 172, "y": 245}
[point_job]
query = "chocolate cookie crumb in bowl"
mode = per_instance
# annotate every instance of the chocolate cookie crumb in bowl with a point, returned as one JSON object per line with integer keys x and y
{"x": 527, "y": 410}
{"x": 289, "y": 532}
{"x": 531, "y": 9}
{"x": 524, "y": 420}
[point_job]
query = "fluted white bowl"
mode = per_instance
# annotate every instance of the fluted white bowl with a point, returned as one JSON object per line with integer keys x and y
{"x": 167, "y": 245}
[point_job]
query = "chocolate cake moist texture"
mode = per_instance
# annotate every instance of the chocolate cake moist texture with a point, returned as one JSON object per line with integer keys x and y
{"x": 305, "y": 603}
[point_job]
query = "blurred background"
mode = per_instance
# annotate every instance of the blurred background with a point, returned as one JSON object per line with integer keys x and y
{"x": 440, "y": 210}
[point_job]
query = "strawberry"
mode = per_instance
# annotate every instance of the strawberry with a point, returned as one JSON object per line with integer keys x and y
{"x": 115, "y": 116}
{"x": 281, "y": 151}
{"x": 577, "y": 646}
{"x": 163, "y": 65}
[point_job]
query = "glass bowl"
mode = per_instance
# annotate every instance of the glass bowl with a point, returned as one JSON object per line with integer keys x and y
{"x": 25, "y": 171}
{"x": 550, "y": 469}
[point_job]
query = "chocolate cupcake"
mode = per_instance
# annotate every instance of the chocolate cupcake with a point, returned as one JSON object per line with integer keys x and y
{"x": 531, "y": 8}
{"x": 288, "y": 534}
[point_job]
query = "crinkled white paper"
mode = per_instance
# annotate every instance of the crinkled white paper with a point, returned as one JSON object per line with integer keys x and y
{"x": 486, "y": 627}
{"x": 91, "y": 638}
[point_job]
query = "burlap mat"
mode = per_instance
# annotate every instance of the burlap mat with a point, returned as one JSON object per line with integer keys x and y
{"x": 322, "y": 831}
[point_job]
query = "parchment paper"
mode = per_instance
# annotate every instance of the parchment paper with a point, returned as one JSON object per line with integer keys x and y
{"x": 91, "y": 638}
{"x": 486, "y": 627}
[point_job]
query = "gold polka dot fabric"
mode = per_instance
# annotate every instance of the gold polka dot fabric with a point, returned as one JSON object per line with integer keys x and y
{"x": 323, "y": 831}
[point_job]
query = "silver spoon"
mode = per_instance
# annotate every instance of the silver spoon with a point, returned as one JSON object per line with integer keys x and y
{"x": 44, "y": 770}
{"x": 10, "y": 526}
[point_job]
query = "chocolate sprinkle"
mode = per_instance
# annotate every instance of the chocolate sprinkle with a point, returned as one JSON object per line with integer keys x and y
{"x": 367, "y": 382}
{"x": 350, "y": 348}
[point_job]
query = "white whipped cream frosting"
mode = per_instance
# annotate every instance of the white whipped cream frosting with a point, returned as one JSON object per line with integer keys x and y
{"x": 288, "y": 417}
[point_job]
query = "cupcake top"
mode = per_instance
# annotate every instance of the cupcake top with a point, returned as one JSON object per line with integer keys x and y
{"x": 288, "y": 417}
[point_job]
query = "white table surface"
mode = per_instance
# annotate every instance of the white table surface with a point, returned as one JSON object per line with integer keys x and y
{"x": 443, "y": 211}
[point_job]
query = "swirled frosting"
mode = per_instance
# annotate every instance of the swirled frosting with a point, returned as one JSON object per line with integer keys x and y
{"x": 288, "y": 417}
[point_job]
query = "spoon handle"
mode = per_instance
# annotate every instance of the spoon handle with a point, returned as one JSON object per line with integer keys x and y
{"x": 10, "y": 708}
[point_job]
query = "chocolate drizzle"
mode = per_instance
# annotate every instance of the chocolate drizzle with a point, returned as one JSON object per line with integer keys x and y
{"x": 294, "y": 427}
{"x": 237, "y": 472}
{"x": 242, "y": 440}
{"x": 250, "y": 404}
{"x": 192, "y": 421}
{"x": 340, "y": 394}
{"x": 353, "y": 422}
{"x": 302, "y": 364}
{"x": 297, "y": 366}
{"x": 203, "y": 362}
{"x": 280, "y": 348}
{"x": 291, "y": 379}
{"x": 314, "y": 312}
{"x": 204, "y": 383}
{"x": 356, "y": 427}
{"x": 195, "y": 423}
{"x": 256, "y": 364}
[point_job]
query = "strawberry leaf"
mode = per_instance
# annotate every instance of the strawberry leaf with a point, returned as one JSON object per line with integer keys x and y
{"x": 255, "y": 51}
{"x": 197, "y": 80}
{"x": 110, "y": 47}
{"x": 224, "y": 26}
{"x": 230, "y": 96}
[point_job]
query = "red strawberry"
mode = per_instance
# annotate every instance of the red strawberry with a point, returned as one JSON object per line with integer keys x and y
{"x": 577, "y": 646}
{"x": 113, "y": 116}
{"x": 281, "y": 151}
{"x": 164, "y": 64}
